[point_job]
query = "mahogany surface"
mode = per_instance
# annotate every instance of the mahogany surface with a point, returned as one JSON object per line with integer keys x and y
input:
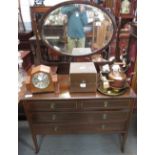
{"x": 63, "y": 112}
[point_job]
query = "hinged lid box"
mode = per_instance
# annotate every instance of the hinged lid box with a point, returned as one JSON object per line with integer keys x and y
{"x": 83, "y": 77}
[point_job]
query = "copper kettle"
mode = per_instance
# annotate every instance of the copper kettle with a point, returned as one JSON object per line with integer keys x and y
{"x": 117, "y": 77}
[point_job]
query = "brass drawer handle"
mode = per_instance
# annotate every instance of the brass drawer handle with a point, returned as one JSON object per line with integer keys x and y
{"x": 104, "y": 116}
{"x": 53, "y": 117}
{"x": 55, "y": 129}
{"x": 105, "y": 104}
{"x": 52, "y": 106}
{"x": 103, "y": 127}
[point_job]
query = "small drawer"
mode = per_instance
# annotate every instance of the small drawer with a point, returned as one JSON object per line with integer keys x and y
{"x": 63, "y": 105}
{"x": 112, "y": 116}
{"x": 105, "y": 104}
{"x": 110, "y": 127}
{"x": 77, "y": 128}
{"x": 85, "y": 117}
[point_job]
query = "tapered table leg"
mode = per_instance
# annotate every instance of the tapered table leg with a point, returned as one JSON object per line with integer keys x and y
{"x": 34, "y": 137}
{"x": 123, "y": 141}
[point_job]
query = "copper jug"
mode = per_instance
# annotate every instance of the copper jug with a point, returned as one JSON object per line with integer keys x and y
{"x": 117, "y": 77}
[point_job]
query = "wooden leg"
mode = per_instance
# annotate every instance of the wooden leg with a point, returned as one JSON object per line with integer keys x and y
{"x": 34, "y": 137}
{"x": 123, "y": 141}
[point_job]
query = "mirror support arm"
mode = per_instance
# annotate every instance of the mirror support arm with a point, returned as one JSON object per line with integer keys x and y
{"x": 36, "y": 32}
{"x": 117, "y": 49}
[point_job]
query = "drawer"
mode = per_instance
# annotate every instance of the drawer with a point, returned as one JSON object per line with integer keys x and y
{"x": 77, "y": 128}
{"x": 105, "y": 104}
{"x": 87, "y": 117}
{"x": 63, "y": 105}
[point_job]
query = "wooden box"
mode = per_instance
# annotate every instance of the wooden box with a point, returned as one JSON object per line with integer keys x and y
{"x": 83, "y": 77}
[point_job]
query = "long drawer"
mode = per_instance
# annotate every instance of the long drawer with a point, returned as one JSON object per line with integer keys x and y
{"x": 105, "y": 104}
{"x": 71, "y": 105}
{"x": 91, "y": 117}
{"x": 59, "y": 105}
{"x": 73, "y": 128}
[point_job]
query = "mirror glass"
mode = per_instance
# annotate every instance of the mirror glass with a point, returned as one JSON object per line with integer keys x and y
{"x": 77, "y": 29}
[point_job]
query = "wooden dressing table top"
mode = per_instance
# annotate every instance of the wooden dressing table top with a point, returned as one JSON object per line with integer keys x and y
{"x": 65, "y": 94}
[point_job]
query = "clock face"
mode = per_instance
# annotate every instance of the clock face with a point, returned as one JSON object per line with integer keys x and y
{"x": 40, "y": 80}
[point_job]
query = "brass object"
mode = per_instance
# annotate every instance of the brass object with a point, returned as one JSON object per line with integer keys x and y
{"x": 52, "y": 106}
{"x": 105, "y": 104}
{"x": 104, "y": 116}
{"x": 103, "y": 127}
{"x": 118, "y": 77}
{"x": 112, "y": 91}
{"x": 55, "y": 129}
{"x": 53, "y": 117}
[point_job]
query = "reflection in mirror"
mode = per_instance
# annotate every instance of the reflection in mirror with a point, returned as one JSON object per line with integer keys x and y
{"x": 77, "y": 29}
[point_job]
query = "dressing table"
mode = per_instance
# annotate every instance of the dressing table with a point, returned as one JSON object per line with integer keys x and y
{"x": 74, "y": 113}
{"x": 63, "y": 112}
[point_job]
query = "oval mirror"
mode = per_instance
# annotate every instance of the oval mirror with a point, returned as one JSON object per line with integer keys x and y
{"x": 77, "y": 28}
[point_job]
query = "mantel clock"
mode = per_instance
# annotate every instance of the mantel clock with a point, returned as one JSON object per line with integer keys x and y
{"x": 40, "y": 80}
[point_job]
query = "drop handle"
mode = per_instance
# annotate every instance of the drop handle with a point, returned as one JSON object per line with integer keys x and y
{"x": 103, "y": 127}
{"x": 52, "y": 106}
{"x": 56, "y": 129}
{"x": 104, "y": 116}
{"x": 53, "y": 117}
{"x": 105, "y": 104}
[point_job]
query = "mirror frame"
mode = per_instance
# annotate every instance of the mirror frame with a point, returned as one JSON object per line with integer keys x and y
{"x": 109, "y": 14}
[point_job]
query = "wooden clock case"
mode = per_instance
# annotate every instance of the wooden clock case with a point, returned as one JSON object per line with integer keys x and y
{"x": 44, "y": 69}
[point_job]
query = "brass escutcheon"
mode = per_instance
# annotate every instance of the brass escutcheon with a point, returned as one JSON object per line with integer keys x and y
{"x": 105, "y": 104}
{"x": 52, "y": 105}
{"x": 53, "y": 117}
{"x": 55, "y": 129}
{"x": 104, "y": 116}
{"x": 103, "y": 127}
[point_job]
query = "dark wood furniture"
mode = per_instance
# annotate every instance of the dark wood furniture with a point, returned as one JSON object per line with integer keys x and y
{"x": 23, "y": 38}
{"x": 115, "y": 6}
{"x": 48, "y": 56}
{"x": 52, "y": 58}
{"x": 132, "y": 50}
{"x": 63, "y": 112}
{"x": 132, "y": 9}
{"x": 36, "y": 13}
{"x": 27, "y": 58}
{"x": 123, "y": 43}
